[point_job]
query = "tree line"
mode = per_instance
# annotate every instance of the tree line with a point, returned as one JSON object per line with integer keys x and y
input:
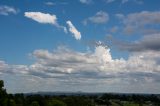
{"x": 108, "y": 99}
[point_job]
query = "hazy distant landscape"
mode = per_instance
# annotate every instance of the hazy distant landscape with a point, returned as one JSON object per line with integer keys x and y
{"x": 76, "y": 99}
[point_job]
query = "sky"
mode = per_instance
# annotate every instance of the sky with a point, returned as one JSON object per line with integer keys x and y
{"x": 80, "y": 45}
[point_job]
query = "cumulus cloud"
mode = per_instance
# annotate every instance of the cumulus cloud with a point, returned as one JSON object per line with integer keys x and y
{"x": 6, "y": 10}
{"x": 73, "y": 30}
{"x": 100, "y": 17}
{"x": 65, "y": 63}
{"x": 145, "y": 20}
{"x": 44, "y": 18}
{"x": 3, "y": 66}
{"x": 86, "y": 1}
{"x": 100, "y": 61}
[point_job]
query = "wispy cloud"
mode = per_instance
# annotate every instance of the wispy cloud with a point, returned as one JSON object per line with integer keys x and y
{"x": 6, "y": 10}
{"x": 125, "y": 1}
{"x": 145, "y": 20}
{"x": 86, "y": 1}
{"x": 73, "y": 30}
{"x": 49, "y": 3}
{"x": 113, "y": 29}
{"x": 109, "y": 1}
{"x": 119, "y": 16}
{"x": 100, "y": 17}
{"x": 44, "y": 18}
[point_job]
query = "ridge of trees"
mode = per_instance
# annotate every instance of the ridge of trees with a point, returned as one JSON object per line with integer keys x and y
{"x": 75, "y": 100}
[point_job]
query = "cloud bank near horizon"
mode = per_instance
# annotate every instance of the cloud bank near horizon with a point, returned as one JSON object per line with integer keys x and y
{"x": 72, "y": 67}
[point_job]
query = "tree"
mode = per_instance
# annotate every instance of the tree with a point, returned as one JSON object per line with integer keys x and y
{"x": 11, "y": 103}
{"x": 3, "y": 94}
{"x": 55, "y": 102}
{"x": 2, "y": 90}
{"x": 34, "y": 103}
{"x": 1, "y": 84}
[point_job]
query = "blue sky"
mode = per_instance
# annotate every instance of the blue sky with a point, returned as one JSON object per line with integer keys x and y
{"x": 75, "y": 45}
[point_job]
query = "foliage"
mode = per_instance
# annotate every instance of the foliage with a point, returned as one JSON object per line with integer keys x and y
{"x": 55, "y": 102}
{"x": 34, "y": 103}
{"x": 109, "y": 99}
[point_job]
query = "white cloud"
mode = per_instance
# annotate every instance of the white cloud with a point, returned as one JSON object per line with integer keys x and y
{"x": 3, "y": 66}
{"x": 44, "y": 18}
{"x": 73, "y": 30}
{"x": 63, "y": 62}
{"x": 103, "y": 54}
{"x": 68, "y": 61}
{"x": 100, "y": 17}
{"x": 6, "y": 10}
{"x": 86, "y": 1}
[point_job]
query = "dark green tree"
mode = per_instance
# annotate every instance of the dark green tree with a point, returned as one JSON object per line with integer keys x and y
{"x": 11, "y": 102}
{"x": 3, "y": 95}
{"x": 34, "y": 103}
{"x": 55, "y": 102}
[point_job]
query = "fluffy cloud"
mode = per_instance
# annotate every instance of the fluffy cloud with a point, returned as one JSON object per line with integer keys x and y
{"x": 64, "y": 63}
{"x": 100, "y": 17}
{"x": 146, "y": 21}
{"x": 86, "y": 1}
{"x": 44, "y": 18}
{"x": 3, "y": 66}
{"x": 6, "y": 10}
{"x": 73, "y": 30}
